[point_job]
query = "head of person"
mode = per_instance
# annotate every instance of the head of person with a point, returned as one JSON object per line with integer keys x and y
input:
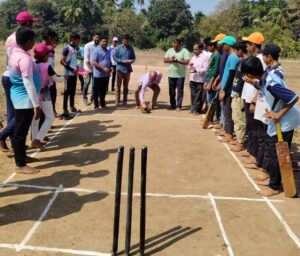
{"x": 115, "y": 41}
{"x": 254, "y": 42}
{"x": 41, "y": 52}
{"x": 198, "y": 48}
{"x": 271, "y": 53}
{"x": 241, "y": 48}
{"x": 176, "y": 44}
{"x": 74, "y": 39}
{"x": 252, "y": 67}
{"x": 25, "y": 38}
{"x": 228, "y": 43}
{"x": 152, "y": 76}
{"x": 50, "y": 37}
{"x": 218, "y": 38}
{"x": 103, "y": 41}
{"x": 206, "y": 41}
{"x": 125, "y": 40}
{"x": 212, "y": 46}
{"x": 96, "y": 38}
{"x": 24, "y": 19}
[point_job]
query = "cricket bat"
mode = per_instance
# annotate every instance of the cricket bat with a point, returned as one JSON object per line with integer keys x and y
{"x": 210, "y": 112}
{"x": 285, "y": 164}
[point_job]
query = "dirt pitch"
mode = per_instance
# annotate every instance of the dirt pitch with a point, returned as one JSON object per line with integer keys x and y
{"x": 201, "y": 200}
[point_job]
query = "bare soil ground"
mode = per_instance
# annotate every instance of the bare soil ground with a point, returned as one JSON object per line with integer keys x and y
{"x": 200, "y": 198}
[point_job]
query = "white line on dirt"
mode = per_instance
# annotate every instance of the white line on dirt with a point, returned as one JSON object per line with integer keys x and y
{"x": 288, "y": 229}
{"x": 39, "y": 221}
{"x": 153, "y": 117}
{"x": 58, "y": 250}
{"x": 185, "y": 196}
{"x": 218, "y": 216}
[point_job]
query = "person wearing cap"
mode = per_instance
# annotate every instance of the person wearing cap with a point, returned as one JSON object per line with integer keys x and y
{"x": 124, "y": 56}
{"x": 50, "y": 37}
{"x": 178, "y": 58}
{"x": 112, "y": 48}
{"x": 69, "y": 61}
{"x": 25, "y": 79}
{"x": 87, "y": 64}
{"x": 280, "y": 107}
{"x": 24, "y": 19}
{"x": 47, "y": 74}
{"x": 238, "y": 104}
{"x": 101, "y": 62}
{"x": 150, "y": 80}
{"x": 256, "y": 129}
{"x": 226, "y": 85}
{"x": 197, "y": 69}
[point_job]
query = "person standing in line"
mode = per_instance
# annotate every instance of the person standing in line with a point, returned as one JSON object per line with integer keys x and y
{"x": 197, "y": 68}
{"x": 87, "y": 64}
{"x": 149, "y": 80}
{"x": 101, "y": 61}
{"x": 69, "y": 61}
{"x": 24, "y": 19}
{"x": 124, "y": 56}
{"x": 112, "y": 50}
{"x": 25, "y": 79}
{"x": 178, "y": 58}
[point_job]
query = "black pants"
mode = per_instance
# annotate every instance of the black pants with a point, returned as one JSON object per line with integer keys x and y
{"x": 100, "y": 85}
{"x": 262, "y": 135}
{"x": 196, "y": 96}
{"x": 80, "y": 77}
{"x": 53, "y": 95}
{"x": 176, "y": 83}
{"x": 70, "y": 91}
{"x": 251, "y": 131}
{"x": 113, "y": 77}
{"x": 228, "y": 122}
{"x": 23, "y": 122}
{"x": 271, "y": 161}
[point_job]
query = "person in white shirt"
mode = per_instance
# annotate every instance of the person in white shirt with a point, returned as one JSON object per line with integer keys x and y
{"x": 197, "y": 68}
{"x": 150, "y": 80}
{"x": 112, "y": 50}
{"x": 87, "y": 64}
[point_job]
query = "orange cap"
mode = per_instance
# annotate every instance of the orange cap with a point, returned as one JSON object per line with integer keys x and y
{"x": 255, "y": 38}
{"x": 218, "y": 38}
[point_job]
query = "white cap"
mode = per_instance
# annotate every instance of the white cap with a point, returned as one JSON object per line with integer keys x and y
{"x": 115, "y": 39}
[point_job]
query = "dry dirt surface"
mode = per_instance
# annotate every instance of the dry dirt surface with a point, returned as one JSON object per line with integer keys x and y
{"x": 201, "y": 200}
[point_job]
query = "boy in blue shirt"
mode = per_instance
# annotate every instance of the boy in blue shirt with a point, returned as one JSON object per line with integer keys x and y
{"x": 280, "y": 103}
{"x": 226, "y": 85}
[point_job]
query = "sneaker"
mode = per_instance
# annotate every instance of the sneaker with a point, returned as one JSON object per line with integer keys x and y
{"x": 86, "y": 103}
{"x": 97, "y": 109}
{"x": 125, "y": 103}
{"x": 66, "y": 117}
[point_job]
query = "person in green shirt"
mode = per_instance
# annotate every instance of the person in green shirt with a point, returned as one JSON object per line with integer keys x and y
{"x": 178, "y": 58}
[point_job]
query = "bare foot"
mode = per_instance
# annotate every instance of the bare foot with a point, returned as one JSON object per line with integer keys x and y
{"x": 244, "y": 153}
{"x": 3, "y": 146}
{"x": 227, "y": 138}
{"x": 250, "y": 160}
{"x": 262, "y": 176}
{"x": 27, "y": 170}
{"x": 237, "y": 148}
{"x": 218, "y": 126}
{"x": 220, "y": 133}
{"x": 263, "y": 182}
{"x": 37, "y": 144}
{"x": 267, "y": 191}
{"x": 233, "y": 142}
{"x": 252, "y": 166}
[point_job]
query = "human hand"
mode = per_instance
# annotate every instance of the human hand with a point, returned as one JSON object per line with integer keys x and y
{"x": 252, "y": 108}
{"x": 275, "y": 116}
{"x": 249, "y": 80}
{"x": 221, "y": 95}
{"x": 37, "y": 113}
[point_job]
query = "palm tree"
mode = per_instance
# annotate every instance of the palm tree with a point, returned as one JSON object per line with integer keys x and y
{"x": 73, "y": 11}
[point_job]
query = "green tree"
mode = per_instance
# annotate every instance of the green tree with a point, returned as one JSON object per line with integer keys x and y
{"x": 169, "y": 17}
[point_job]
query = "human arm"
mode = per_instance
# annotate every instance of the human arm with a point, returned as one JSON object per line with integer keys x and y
{"x": 64, "y": 62}
{"x": 87, "y": 57}
{"x": 276, "y": 116}
{"x": 30, "y": 88}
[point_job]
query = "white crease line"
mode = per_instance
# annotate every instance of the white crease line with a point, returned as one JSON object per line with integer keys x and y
{"x": 288, "y": 229}
{"x": 153, "y": 117}
{"x": 10, "y": 177}
{"x": 218, "y": 216}
{"x": 39, "y": 221}
{"x": 185, "y": 196}
{"x": 59, "y": 250}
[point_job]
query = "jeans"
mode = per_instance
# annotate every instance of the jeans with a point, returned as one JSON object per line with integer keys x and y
{"x": 196, "y": 96}
{"x": 176, "y": 83}
{"x": 70, "y": 92}
{"x": 23, "y": 122}
{"x": 100, "y": 85}
{"x": 113, "y": 77}
{"x": 125, "y": 77}
{"x": 8, "y": 131}
{"x": 227, "y": 110}
{"x": 86, "y": 84}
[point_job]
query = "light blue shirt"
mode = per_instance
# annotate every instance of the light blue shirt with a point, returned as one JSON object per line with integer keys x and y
{"x": 231, "y": 64}
{"x": 123, "y": 54}
{"x": 102, "y": 57}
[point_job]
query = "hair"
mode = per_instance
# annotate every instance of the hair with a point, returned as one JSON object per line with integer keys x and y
{"x": 241, "y": 45}
{"x": 126, "y": 37}
{"x": 272, "y": 50}
{"x": 97, "y": 34}
{"x": 177, "y": 40}
{"x": 207, "y": 40}
{"x": 103, "y": 37}
{"x": 23, "y": 35}
{"x": 200, "y": 45}
{"x": 74, "y": 36}
{"x": 252, "y": 66}
{"x": 48, "y": 32}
